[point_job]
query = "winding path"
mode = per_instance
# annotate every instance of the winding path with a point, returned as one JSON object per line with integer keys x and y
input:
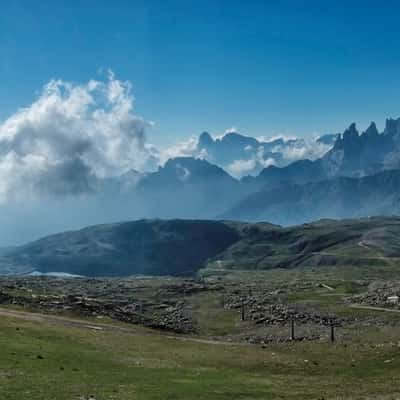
{"x": 82, "y": 324}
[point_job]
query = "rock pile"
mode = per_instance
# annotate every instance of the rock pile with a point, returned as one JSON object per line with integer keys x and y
{"x": 173, "y": 317}
{"x": 267, "y": 310}
{"x": 379, "y": 294}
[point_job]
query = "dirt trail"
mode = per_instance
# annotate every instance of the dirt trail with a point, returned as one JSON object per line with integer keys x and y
{"x": 362, "y": 307}
{"x": 82, "y": 324}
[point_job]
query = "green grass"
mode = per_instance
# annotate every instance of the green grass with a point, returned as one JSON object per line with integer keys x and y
{"x": 211, "y": 317}
{"x": 73, "y": 362}
{"x": 343, "y": 273}
{"x": 47, "y": 361}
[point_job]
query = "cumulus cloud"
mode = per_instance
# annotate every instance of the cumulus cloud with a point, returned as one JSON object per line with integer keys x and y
{"x": 186, "y": 148}
{"x": 71, "y": 136}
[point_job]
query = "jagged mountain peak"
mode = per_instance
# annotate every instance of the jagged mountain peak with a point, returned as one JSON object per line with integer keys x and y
{"x": 242, "y": 155}
{"x": 371, "y": 131}
{"x": 205, "y": 140}
{"x": 190, "y": 162}
{"x": 349, "y": 136}
{"x": 351, "y": 133}
{"x": 392, "y": 127}
{"x": 190, "y": 169}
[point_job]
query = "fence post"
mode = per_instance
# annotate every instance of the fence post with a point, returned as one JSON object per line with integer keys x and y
{"x": 243, "y": 315}
{"x": 332, "y": 331}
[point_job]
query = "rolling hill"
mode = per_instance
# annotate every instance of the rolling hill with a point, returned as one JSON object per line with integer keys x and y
{"x": 154, "y": 247}
{"x": 182, "y": 247}
{"x": 352, "y": 242}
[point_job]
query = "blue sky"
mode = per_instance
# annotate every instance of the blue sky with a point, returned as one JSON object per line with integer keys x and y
{"x": 266, "y": 67}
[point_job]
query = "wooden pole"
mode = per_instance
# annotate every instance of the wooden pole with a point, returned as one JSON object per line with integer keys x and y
{"x": 332, "y": 331}
{"x": 292, "y": 337}
{"x": 141, "y": 312}
{"x": 243, "y": 315}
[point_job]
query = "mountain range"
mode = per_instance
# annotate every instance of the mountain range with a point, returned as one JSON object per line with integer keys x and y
{"x": 357, "y": 176}
{"x": 243, "y": 155}
{"x": 341, "y": 197}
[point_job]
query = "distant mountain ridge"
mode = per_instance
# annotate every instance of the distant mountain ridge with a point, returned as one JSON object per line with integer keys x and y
{"x": 356, "y": 177}
{"x": 352, "y": 155}
{"x": 341, "y": 197}
{"x": 362, "y": 154}
{"x": 187, "y": 187}
{"x": 242, "y": 155}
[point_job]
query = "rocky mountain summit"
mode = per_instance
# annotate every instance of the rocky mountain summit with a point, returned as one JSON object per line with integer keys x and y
{"x": 244, "y": 155}
{"x": 363, "y": 154}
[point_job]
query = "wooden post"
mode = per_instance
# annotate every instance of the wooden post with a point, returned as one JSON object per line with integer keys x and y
{"x": 332, "y": 331}
{"x": 292, "y": 337}
{"x": 243, "y": 315}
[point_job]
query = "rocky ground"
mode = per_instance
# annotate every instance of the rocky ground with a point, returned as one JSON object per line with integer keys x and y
{"x": 134, "y": 301}
{"x": 379, "y": 294}
{"x": 257, "y": 312}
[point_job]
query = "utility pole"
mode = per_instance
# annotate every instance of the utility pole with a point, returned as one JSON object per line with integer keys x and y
{"x": 292, "y": 337}
{"x": 141, "y": 318}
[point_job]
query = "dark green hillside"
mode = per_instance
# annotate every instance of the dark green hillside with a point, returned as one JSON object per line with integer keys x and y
{"x": 367, "y": 241}
{"x": 155, "y": 247}
{"x": 182, "y": 247}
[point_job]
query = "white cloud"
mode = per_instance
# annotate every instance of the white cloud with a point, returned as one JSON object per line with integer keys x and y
{"x": 250, "y": 166}
{"x": 239, "y": 168}
{"x": 269, "y": 139}
{"x": 232, "y": 129}
{"x": 71, "y": 136}
{"x": 267, "y": 162}
{"x": 301, "y": 150}
{"x": 187, "y": 148}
